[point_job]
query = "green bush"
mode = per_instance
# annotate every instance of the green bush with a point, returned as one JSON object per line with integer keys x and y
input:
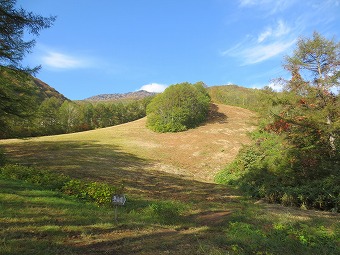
{"x": 247, "y": 238}
{"x": 165, "y": 212}
{"x": 100, "y": 193}
{"x": 178, "y": 108}
{"x": 269, "y": 169}
{"x": 42, "y": 178}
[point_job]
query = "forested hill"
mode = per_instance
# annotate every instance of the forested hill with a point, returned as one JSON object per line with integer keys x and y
{"x": 14, "y": 83}
{"x": 128, "y": 96}
{"x": 47, "y": 91}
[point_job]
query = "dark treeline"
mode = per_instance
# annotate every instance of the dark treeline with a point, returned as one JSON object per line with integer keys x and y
{"x": 57, "y": 116}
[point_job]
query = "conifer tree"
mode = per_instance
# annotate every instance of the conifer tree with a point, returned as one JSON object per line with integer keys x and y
{"x": 13, "y": 24}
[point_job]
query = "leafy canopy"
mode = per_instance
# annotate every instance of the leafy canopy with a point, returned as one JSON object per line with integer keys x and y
{"x": 178, "y": 108}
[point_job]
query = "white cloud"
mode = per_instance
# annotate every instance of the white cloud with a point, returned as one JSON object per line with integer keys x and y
{"x": 154, "y": 87}
{"x": 275, "y": 86}
{"x": 280, "y": 30}
{"x": 265, "y": 35}
{"x": 62, "y": 61}
{"x": 259, "y": 53}
{"x": 273, "y": 41}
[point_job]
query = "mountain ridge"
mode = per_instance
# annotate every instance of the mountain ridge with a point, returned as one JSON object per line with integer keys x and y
{"x": 140, "y": 94}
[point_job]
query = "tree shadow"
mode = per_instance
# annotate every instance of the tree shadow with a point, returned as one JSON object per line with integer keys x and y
{"x": 93, "y": 161}
{"x": 215, "y": 116}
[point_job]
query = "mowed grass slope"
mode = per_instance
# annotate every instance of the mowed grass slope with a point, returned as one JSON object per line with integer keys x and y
{"x": 173, "y": 207}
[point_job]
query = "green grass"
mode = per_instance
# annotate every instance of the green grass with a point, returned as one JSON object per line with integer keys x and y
{"x": 38, "y": 221}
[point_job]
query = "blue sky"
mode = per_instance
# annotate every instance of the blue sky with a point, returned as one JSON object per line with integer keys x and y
{"x": 119, "y": 46}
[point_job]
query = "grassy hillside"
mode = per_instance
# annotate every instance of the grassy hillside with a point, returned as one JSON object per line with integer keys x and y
{"x": 172, "y": 208}
{"x": 253, "y": 99}
{"x": 14, "y": 82}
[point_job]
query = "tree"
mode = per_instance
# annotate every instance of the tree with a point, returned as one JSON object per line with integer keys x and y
{"x": 13, "y": 24}
{"x": 18, "y": 99}
{"x": 312, "y": 105}
{"x": 178, "y": 108}
{"x": 295, "y": 157}
{"x": 69, "y": 116}
{"x": 48, "y": 120}
{"x": 319, "y": 56}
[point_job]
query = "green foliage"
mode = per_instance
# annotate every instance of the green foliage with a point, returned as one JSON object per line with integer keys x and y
{"x": 29, "y": 107}
{"x": 245, "y": 238}
{"x": 42, "y": 178}
{"x": 165, "y": 212}
{"x": 269, "y": 169}
{"x": 56, "y": 115}
{"x": 18, "y": 100}
{"x": 99, "y": 193}
{"x": 178, "y": 108}
{"x": 13, "y": 23}
{"x": 258, "y": 100}
{"x": 295, "y": 159}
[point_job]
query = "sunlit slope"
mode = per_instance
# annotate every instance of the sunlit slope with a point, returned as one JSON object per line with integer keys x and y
{"x": 195, "y": 154}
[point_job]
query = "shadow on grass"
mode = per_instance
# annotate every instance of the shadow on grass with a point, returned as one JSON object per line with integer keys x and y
{"x": 107, "y": 163}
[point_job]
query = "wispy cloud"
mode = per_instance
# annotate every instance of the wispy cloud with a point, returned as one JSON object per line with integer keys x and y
{"x": 154, "y": 87}
{"x": 258, "y": 53}
{"x": 280, "y": 30}
{"x": 63, "y": 61}
{"x": 269, "y": 43}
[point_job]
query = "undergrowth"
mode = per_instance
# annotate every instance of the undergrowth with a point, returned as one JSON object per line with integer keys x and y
{"x": 268, "y": 169}
{"x": 99, "y": 193}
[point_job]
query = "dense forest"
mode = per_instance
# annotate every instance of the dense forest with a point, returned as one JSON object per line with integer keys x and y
{"x": 30, "y": 107}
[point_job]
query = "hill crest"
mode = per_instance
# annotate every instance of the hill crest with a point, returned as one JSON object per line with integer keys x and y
{"x": 118, "y": 96}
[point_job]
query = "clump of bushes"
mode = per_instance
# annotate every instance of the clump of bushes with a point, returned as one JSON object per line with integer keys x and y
{"x": 271, "y": 169}
{"x": 248, "y": 238}
{"x": 180, "y": 107}
{"x": 99, "y": 193}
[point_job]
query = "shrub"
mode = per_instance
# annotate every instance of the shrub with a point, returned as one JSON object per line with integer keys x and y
{"x": 42, "y": 178}
{"x": 269, "y": 169}
{"x": 178, "y": 108}
{"x": 165, "y": 212}
{"x": 100, "y": 193}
